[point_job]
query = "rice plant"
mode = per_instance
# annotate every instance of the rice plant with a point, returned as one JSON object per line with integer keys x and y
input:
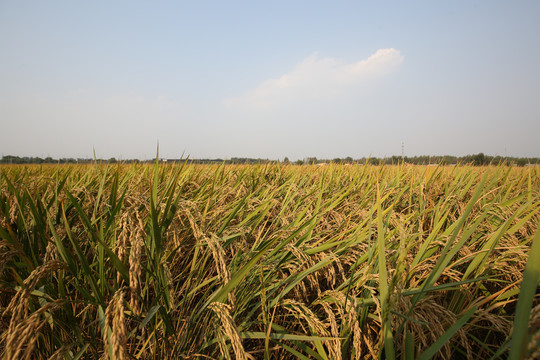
{"x": 178, "y": 261}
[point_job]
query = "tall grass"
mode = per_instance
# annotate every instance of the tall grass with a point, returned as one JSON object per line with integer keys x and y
{"x": 269, "y": 261}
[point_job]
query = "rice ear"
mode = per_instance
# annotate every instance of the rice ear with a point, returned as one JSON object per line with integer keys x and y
{"x": 229, "y": 329}
{"x": 115, "y": 335}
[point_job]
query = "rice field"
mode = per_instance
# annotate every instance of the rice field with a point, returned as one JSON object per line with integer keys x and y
{"x": 176, "y": 261}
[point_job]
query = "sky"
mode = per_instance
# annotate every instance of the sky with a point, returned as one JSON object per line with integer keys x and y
{"x": 274, "y": 79}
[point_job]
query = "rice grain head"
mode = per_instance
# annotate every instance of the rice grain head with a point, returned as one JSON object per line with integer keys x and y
{"x": 21, "y": 337}
{"x": 218, "y": 253}
{"x": 135, "y": 266}
{"x": 229, "y": 329}
{"x": 116, "y": 343}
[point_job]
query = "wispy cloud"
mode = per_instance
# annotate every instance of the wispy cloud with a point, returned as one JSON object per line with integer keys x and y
{"x": 315, "y": 78}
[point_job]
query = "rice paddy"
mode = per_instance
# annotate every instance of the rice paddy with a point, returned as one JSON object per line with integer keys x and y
{"x": 269, "y": 261}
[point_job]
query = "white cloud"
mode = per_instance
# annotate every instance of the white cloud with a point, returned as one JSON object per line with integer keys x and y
{"x": 315, "y": 78}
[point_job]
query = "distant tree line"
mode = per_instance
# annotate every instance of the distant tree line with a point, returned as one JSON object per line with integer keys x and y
{"x": 11, "y": 159}
{"x": 234, "y": 160}
{"x": 476, "y": 159}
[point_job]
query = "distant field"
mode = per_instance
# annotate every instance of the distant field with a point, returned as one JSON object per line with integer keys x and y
{"x": 269, "y": 261}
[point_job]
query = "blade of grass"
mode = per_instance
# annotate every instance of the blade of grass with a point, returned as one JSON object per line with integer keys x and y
{"x": 433, "y": 349}
{"x": 529, "y": 288}
{"x": 383, "y": 283}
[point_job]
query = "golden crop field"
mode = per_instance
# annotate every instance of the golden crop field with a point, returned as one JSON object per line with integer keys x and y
{"x": 269, "y": 262}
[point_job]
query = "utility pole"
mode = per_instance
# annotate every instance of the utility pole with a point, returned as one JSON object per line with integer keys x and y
{"x": 403, "y": 151}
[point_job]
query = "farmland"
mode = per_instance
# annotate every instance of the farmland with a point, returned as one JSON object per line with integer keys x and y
{"x": 269, "y": 261}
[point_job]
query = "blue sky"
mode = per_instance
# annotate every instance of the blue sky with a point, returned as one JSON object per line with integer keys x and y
{"x": 282, "y": 78}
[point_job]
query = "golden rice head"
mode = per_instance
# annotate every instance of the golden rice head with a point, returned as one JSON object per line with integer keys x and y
{"x": 228, "y": 328}
{"x": 135, "y": 263}
{"x": 21, "y": 338}
{"x": 315, "y": 325}
{"x": 116, "y": 341}
{"x": 348, "y": 317}
{"x": 23, "y": 330}
{"x": 13, "y": 211}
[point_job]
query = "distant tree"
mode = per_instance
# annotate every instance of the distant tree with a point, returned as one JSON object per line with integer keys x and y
{"x": 479, "y": 159}
{"x": 447, "y": 159}
{"x": 337, "y": 160}
{"x": 522, "y": 162}
{"x": 395, "y": 159}
{"x": 286, "y": 160}
{"x": 349, "y": 160}
{"x": 299, "y": 162}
